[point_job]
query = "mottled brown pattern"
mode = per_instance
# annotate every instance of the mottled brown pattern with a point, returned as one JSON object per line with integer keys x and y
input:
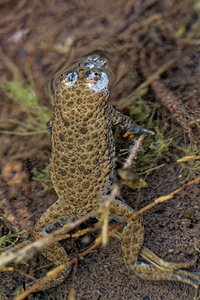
{"x": 82, "y": 164}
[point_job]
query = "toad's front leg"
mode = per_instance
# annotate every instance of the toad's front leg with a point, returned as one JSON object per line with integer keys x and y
{"x": 126, "y": 122}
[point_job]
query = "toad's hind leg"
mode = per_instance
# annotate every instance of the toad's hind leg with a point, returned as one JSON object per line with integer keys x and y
{"x": 154, "y": 268}
{"x": 132, "y": 234}
{"x": 56, "y": 214}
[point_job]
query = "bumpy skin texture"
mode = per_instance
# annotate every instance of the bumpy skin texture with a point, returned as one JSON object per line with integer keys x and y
{"x": 82, "y": 164}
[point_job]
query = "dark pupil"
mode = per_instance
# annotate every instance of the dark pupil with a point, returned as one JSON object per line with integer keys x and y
{"x": 69, "y": 75}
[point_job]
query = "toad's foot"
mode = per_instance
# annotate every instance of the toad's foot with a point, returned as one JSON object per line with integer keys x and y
{"x": 158, "y": 269}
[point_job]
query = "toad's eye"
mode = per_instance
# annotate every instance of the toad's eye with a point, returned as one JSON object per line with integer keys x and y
{"x": 69, "y": 78}
{"x": 94, "y": 76}
{"x": 97, "y": 81}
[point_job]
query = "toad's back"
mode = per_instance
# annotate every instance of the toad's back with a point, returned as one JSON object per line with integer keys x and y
{"x": 82, "y": 158}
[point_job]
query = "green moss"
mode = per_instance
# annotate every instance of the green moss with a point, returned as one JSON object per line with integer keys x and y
{"x": 141, "y": 111}
{"x": 44, "y": 178}
{"x": 189, "y": 169}
{"x": 180, "y": 32}
{"x": 156, "y": 151}
{"x": 8, "y": 238}
{"x": 36, "y": 115}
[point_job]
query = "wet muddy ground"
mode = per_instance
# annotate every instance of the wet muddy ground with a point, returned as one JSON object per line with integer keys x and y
{"x": 139, "y": 38}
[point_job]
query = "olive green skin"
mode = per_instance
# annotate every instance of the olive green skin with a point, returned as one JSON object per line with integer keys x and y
{"x": 82, "y": 165}
{"x": 82, "y": 157}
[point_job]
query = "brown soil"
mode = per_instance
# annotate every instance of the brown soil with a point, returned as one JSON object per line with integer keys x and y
{"x": 29, "y": 32}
